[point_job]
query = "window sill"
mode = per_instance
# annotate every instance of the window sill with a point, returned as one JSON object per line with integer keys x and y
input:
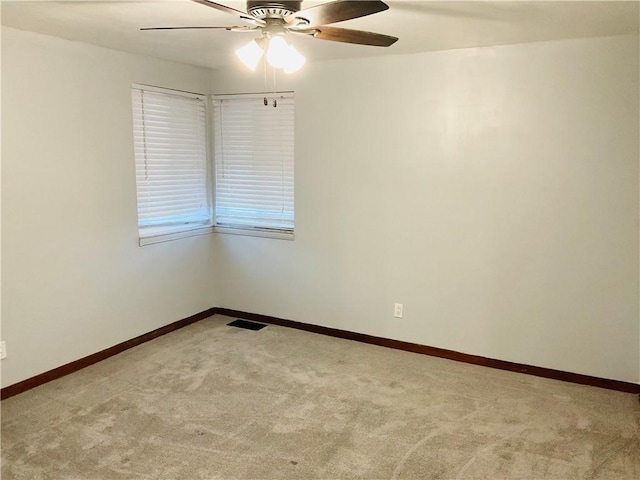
{"x": 152, "y": 238}
{"x": 252, "y": 232}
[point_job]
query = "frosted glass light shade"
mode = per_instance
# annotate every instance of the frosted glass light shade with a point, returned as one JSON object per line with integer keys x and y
{"x": 295, "y": 60}
{"x": 278, "y": 52}
{"x": 250, "y": 54}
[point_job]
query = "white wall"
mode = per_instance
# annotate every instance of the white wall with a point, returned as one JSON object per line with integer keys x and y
{"x": 493, "y": 191}
{"x": 74, "y": 280}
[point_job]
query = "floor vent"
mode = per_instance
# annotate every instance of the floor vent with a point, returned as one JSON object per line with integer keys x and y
{"x": 247, "y": 325}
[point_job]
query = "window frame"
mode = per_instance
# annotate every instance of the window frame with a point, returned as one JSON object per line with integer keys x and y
{"x": 148, "y": 235}
{"x": 247, "y": 230}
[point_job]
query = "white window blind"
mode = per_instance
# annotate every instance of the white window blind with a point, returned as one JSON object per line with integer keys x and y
{"x": 170, "y": 137}
{"x": 254, "y": 157}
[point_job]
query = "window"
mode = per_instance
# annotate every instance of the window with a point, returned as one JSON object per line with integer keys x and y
{"x": 254, "y": 157}
{"x": 172, "y": 176}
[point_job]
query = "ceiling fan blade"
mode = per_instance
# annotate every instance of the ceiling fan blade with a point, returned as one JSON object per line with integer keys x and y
{"x": 337, "y": 11}
{"x": 346, "y": 35}
{"x": 232, "y": 29}
{"x": 223, "y": 8}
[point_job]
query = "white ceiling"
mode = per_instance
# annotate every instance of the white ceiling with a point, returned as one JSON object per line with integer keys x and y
{"x": 420, "y": 25}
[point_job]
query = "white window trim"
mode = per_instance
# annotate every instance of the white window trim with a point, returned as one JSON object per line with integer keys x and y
{"x": 254, "y": 232}
{"x": 170, "y": 236}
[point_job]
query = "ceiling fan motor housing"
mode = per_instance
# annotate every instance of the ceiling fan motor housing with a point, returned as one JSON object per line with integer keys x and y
{"x": 264, "y": 9}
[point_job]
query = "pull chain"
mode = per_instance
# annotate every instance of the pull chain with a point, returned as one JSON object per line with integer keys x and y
{"x": 264, "y": 62}
{"x": 266, "y": 87}
{"x": 275, "y": 102}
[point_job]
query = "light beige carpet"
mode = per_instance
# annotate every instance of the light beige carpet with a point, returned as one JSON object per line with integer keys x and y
{"x": 212, "y": 401}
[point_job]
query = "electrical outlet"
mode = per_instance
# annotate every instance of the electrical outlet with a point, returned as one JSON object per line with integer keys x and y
{"x": 3, "y": 350}
{"x": 397, "y": 310}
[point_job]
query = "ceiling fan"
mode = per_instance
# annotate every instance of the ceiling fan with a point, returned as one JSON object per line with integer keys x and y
{"x": 273, "y": 19}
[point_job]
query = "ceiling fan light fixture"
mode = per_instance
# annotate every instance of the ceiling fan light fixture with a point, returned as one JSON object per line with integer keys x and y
{"x": 250, "y": 54}
{"x": 295, "y": 60}
{"x": 279, "y": 54}
{"x": 272, "y": 19}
